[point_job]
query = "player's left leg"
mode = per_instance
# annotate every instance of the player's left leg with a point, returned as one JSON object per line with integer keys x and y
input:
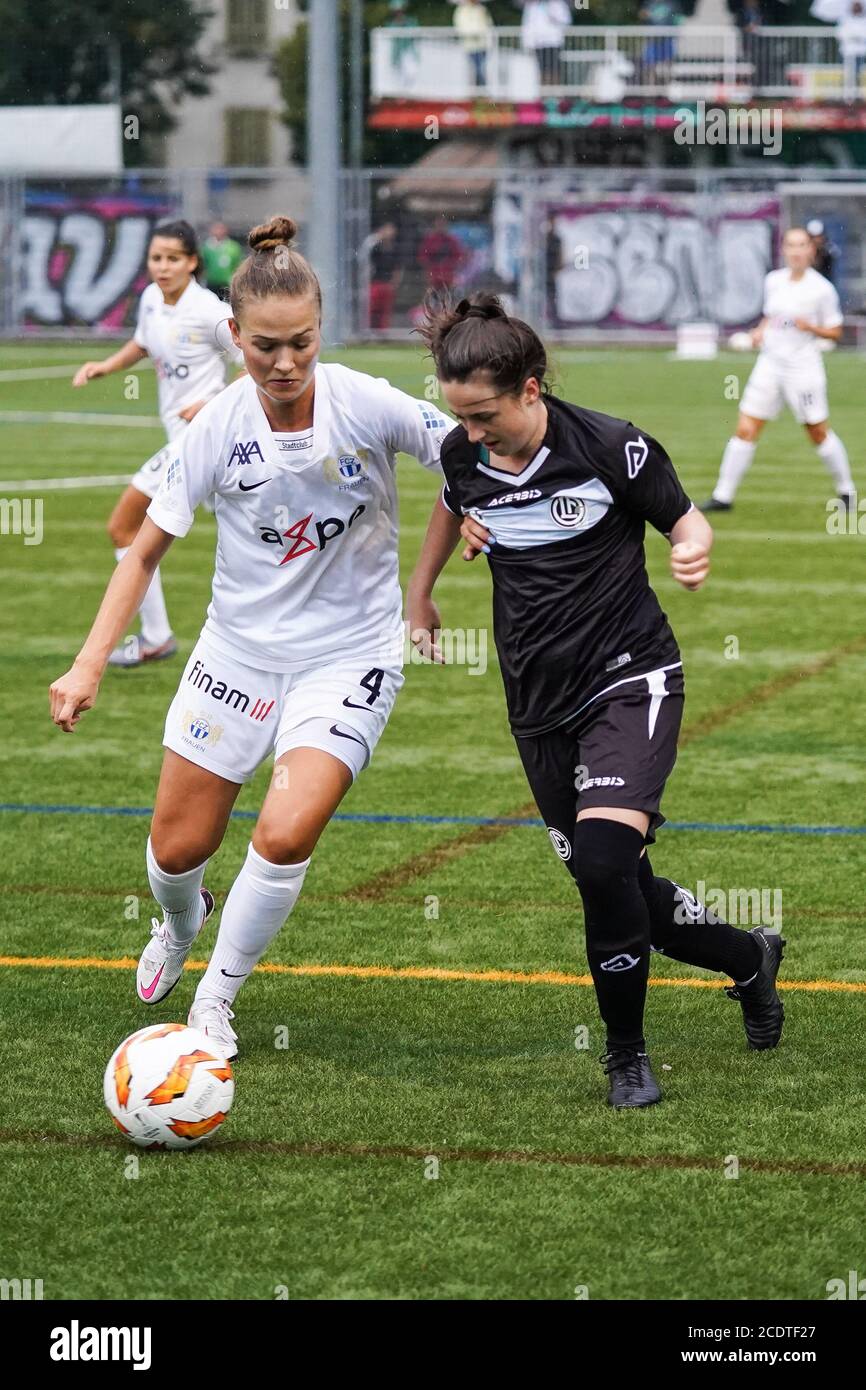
{"x": 156, "y": 640}
{"x": 806, "y": 394}
{"x": 330, "y": 723}
{"x": 834, "y": 456}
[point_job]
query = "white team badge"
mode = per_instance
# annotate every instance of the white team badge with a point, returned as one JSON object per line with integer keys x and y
{"x": 636, "y": 451}
{"x": 346, "y": 471}
{"x": 569, "y": 512}
{"x": 559, "y": 842}
{"x": 200, "y": 729}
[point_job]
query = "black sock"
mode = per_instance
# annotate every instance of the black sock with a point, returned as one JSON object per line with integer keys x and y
{"x": 685, "y": 930}
{"x": 606, "y": 855}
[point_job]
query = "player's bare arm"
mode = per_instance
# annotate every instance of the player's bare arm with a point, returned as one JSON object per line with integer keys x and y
{"x": 76, "y": 691}
{"x": 443, "y": 533}
{"x": 127, "y": 356}
{"x": 691, "y": 541}
{"x": 833, "y": 335}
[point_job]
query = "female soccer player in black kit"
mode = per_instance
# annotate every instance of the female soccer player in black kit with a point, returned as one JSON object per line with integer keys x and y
{"x": 558, "y": 497}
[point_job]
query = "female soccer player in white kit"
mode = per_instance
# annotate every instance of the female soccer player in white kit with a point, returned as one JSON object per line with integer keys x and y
{"x": 801, "y": 309}
{"x": 301, "y": 651}
{"x": 177, "y": 325}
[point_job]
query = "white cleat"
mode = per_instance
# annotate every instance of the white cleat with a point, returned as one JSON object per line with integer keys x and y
{"x": 211, "y": 1017}
{"x": 161, "y": 963}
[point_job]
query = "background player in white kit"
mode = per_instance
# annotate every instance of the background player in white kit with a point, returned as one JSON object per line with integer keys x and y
{"x": 801, "y": 311}
{"x": 177, "y": 326}
{"x": 301, "y": 652}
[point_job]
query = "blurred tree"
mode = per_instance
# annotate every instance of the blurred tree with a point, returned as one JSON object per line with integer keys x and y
{"x": 144, "y": 51}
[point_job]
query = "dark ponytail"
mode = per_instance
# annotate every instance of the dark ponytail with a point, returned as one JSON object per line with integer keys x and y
{"x": 477, "y": 335}
{"x": 182, "y": 231}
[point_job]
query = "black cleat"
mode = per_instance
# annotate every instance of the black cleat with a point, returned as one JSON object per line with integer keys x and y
{"x": 631, "y": 1079}
{"x": 714, "y": 505}
{"x": 763, "y": 1011}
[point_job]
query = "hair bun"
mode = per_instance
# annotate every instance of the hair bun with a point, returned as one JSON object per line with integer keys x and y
{"x": 279, "y": 231}
{"x": 484, "y": 306}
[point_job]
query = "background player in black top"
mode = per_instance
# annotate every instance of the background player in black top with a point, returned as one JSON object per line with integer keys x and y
{"x": 558, "y": 496}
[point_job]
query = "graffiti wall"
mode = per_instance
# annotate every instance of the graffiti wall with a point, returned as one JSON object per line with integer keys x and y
{"x": 653, "y": 264}
{"x": 82, "y": 257}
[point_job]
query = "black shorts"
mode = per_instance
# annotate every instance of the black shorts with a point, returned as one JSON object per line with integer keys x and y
{"x": 619, "y": 751}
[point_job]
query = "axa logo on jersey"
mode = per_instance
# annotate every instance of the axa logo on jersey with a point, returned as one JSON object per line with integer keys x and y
{"x": 299, "y": 537}
{"x": 246, "y": 452}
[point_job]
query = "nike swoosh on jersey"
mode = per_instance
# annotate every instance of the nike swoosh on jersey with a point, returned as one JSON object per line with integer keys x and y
{"x": 339, "y": 733}
{"x": 244, "y": 488}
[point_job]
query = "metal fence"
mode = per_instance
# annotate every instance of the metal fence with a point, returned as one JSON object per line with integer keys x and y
{"x": 594, "y": 254}
{"x": 609, "y": 63}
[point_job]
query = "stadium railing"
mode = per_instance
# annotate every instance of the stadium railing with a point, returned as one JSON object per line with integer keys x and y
{"x": 607, "y": 63}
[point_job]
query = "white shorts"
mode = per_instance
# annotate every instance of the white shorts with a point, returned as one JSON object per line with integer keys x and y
{"x": 772, "y": 385}
{"x": 149, "y": 475}
{"x": 228, "y": 717}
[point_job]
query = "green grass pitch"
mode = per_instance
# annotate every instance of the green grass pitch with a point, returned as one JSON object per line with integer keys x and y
{"x": 322, "y": 1183}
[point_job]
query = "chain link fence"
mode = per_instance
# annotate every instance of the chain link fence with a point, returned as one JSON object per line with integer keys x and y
{"x": 586, "y": 255}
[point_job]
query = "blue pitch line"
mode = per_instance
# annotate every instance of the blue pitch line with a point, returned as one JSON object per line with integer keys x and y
{"x": 368, "y": 818}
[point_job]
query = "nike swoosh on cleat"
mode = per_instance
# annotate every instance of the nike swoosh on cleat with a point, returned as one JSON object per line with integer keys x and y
{"x": 244, "y": 488}
{"x": 339, "y": 733}
{"x": 146, "y": 993}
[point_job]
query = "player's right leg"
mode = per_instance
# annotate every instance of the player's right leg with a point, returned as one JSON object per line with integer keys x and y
{"x": 762, "y": 400}
{"x": 192, "y": 811}
{"x": 156, "y": 641}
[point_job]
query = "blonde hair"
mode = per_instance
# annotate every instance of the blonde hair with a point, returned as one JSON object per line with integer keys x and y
{"x": 273, "y": 267}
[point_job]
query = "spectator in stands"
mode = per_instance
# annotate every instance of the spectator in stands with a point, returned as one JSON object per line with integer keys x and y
{"x": 385, "y": 274}
{"x": 659, "y": 53}
{"x": 441, "y": 256}
{"x": 404, "y": 50}
{"x": 824, "y": 253}
{"x": 221, "y": 256}
{"x": 851, "y": 34}
{"x": 543, "y": 33}
{"x": 474, "y": 24}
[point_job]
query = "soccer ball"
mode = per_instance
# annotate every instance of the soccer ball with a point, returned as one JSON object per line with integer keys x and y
{"x": 167, "y": 1087}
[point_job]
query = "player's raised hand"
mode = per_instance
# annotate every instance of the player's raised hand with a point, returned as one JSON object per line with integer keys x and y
{"x": 476, "y": 536}
{"x": 71, "y": 695}
{"x": 690, "y": 563}
{"x": 87, "y": 372}
{"x": 425, "y": 625}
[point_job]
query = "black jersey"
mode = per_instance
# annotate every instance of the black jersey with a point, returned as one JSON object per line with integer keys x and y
{"x": 573, "y": 611}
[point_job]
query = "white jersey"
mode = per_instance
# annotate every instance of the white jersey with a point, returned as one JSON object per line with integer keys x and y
{"x": 306, "y": 560}
{"x": 812, "y": 298}
{"x": 182, "y": 340}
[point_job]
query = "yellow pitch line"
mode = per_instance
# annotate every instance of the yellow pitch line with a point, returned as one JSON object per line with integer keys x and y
{"x": 416, "y": 972}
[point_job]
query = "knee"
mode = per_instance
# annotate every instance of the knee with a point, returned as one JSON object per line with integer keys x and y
{"x": 178, "y": 856}
{"x": 748, "y": 431}
{"x": 606, "y": 855}
{"x": 817, "y": 433}
{"x": 289, "y": 841}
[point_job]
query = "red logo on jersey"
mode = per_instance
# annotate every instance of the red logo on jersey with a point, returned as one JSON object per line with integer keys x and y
{"x": 301, "y": 543}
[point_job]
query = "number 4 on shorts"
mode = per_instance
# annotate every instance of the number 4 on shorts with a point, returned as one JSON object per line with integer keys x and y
{"x": 372, "y": 682}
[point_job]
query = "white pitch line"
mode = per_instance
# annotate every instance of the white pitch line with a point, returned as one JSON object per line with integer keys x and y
{"x": 77, "y": 417}
{"x": 49, "y": 484}
{"x": 45, "y": 373}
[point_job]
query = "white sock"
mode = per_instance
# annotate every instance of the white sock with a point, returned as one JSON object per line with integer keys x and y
{"x": 155, "y": 627}
{"x": 736, "y": 461}
{"x": 833, "y": 455}
{"x": 179, "y": 896}
{"x": 261, "y": 898}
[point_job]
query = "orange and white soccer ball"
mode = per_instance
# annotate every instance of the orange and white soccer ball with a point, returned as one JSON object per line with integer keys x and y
{"x": 167, "y": 1087}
